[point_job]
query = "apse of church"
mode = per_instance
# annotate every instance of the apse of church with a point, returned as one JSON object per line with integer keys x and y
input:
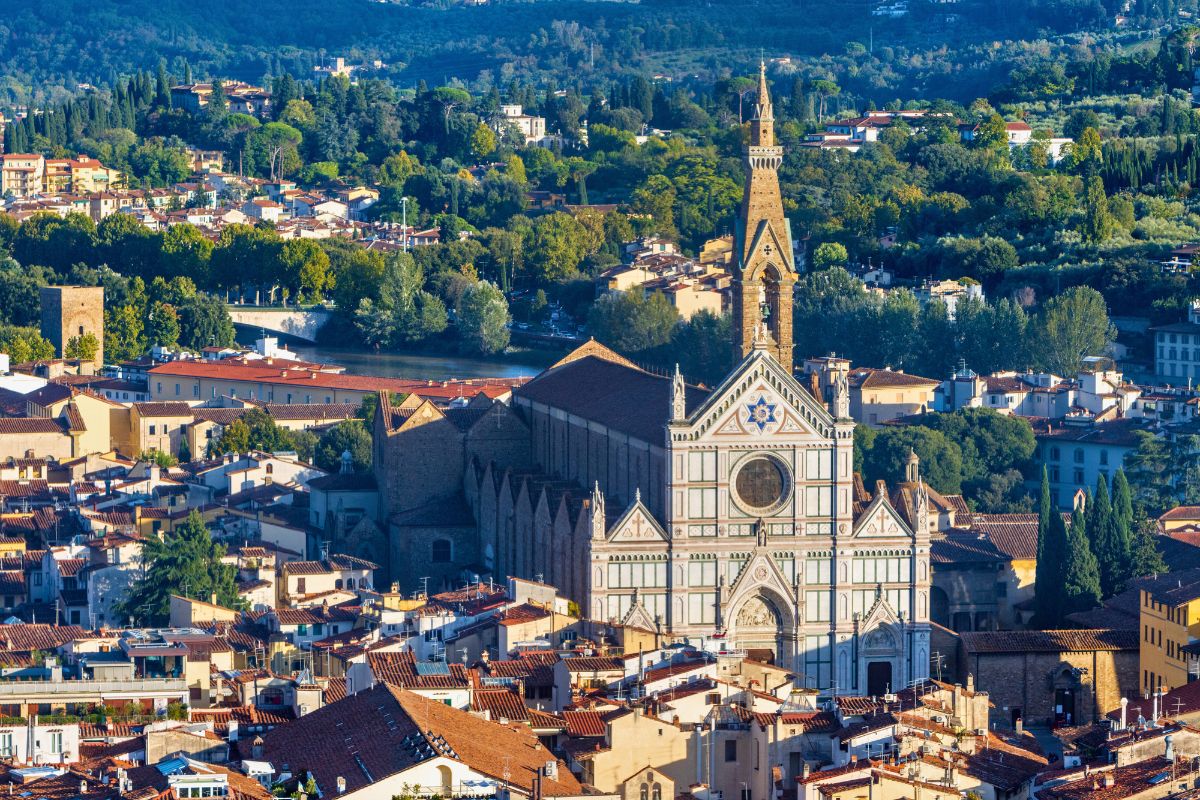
{"x": 730, "y": 516}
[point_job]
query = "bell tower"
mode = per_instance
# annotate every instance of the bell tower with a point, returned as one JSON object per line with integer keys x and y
{"x": 764, "y": 273}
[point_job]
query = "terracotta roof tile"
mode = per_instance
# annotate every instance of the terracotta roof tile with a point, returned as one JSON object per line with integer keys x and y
{"x": 1069, "y": 641}
{"x": 383, "y": 731}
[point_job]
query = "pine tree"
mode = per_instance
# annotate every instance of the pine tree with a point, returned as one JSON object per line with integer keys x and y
{"x": 1081, "y": 573}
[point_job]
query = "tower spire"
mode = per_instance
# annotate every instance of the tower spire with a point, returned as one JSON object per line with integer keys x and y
{"x": 762, "y": 133}
{"x": 763, "y": 274}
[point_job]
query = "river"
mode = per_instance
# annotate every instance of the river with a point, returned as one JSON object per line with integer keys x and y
{"x": 422, "y": 366}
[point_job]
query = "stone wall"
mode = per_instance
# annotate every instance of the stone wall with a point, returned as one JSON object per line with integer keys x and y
{"x": 69, "y": 311}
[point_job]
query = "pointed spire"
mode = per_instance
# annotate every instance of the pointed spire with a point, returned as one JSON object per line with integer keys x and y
{"x": 762, "y": 127}
{"x": 599, "y": 523}
{"x": 678, "y": 396}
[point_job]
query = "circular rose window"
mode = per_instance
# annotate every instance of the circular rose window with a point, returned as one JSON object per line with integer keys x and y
{"x": 761, "y": 484}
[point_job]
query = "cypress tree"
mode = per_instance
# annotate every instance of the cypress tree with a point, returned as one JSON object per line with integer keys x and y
{"x": 1045, "y": 509}
{"x": 1052, "y": 552}
{"x": 1111, "y": 550}
{"x": 1081, "y": 573}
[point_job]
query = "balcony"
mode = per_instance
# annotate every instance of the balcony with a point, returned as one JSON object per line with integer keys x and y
{"x": 26, "y": 691}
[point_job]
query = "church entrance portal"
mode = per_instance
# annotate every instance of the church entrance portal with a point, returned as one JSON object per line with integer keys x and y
{"x": 757, "y": 628}
{"x": 879, "y": 678}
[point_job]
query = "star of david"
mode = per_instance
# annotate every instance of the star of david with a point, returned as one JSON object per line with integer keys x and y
{"x": 761, "y": 413}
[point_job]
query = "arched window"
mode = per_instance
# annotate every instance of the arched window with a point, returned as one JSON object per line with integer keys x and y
{"x": 443, "y": 551}
{"x": 644, "y": 794}
{"x": 270, "y": 468}
{"x": 337, "y": 584}
{"x": 657, "y": 792}
{"x": 349, "y": 583}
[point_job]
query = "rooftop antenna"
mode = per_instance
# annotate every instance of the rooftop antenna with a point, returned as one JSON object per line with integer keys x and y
{"x": 425, "y": 586}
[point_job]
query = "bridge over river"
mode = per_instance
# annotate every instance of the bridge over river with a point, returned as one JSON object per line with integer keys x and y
{"x": 297, "y": 323}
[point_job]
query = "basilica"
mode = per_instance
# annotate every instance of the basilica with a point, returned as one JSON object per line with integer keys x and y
{"x": 729, "y": 516}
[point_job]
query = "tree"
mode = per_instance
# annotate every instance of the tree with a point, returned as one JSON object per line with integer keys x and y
{"x": 555, "y": 246}
{"x": 162, "y": 326}
{"x": 1098, "y": 224}
{"x": 483, "y": 141}
{"x": 204, "y": 321}
{"x": 124, "y": 332}
{"x": 1081, "y": 573}
{"x": 1087, "y": 153}
{"x": 184, "y": 561}
{"x": 405, "y": 312}
{"x": 254, "y": 430}
{"x": 1145, "y": 558}
{"x": 1049, "y": 588}
{"x": 1104, "y": 536}
{"x": 701, "y": 346}
{"x": 1164, "y": 473}
{"x": 352, "y": 435}
{"x": 633, "y": 321}
{"x": 24, "y": 344}
{"x": 482, "y": 319}
{"x": 941, "y": 458}
{"x": 305, "y": 270}
{"x": 992, "y": 136}
{"x": 1123, "y": 506}
{"x": 84, "y": 347}
{"x": 830, "y": 254}
{"x": 1072, "y": 325}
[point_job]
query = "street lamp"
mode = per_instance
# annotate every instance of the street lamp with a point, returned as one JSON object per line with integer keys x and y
{"x": 404, "y": 221}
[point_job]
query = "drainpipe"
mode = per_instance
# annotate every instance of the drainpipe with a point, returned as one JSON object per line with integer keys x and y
{"x": 712, "y": 752}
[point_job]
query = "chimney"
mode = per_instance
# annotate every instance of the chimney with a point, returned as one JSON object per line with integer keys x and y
{"x": 341, "y": 785}
{"x": 212, "y": 598}
{"x": 1124, "y": 712}
{"x": 853, "y": 759}
{"x": 806, "y": 771}
{"x": 1170, "y": 754}
{"x": 970, "y": 682}
{"x": 1020, "y": 727}
{"x": 256, "y": 748}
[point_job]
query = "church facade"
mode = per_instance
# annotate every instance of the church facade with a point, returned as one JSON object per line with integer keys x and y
{"x": 730, "y": 517}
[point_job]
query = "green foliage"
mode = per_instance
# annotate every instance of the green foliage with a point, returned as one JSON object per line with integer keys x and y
{"x": 1072, "y": 326}
{"x": 162, "y": 326}
{"x": 941, "y": 458}
{"x": 24, "y": 344}
{"x": 84, "y": 347}
{"x": 1080, "y": 571}
{"x": 1145, "y": 557}
{"x": 633, "y": 321}
{"x": 159, "y": 457}
{"x": 254, "y": 430}
{"x": 1163, "y": 472}
{"x": 184, "y": 561}
{"x": 405, "y": 312}
{"x": 1105, "y": 535}
{"x": 352, "y": 435}
{"x": 830, "y": 254}
{"x": 482, "y": 319}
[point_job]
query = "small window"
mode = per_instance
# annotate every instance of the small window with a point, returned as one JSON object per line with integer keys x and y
{"x": 153, "y": 430}
{"x": 443, "y": 551}
{"x": 730, "y": 750}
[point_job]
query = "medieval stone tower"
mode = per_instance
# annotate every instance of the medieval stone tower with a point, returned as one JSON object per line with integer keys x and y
{"x": 764, "y": 273}
{"x": 70, "y": 311}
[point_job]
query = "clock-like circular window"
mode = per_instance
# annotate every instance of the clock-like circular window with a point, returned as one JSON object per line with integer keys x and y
{"x": 761, "y": 484}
